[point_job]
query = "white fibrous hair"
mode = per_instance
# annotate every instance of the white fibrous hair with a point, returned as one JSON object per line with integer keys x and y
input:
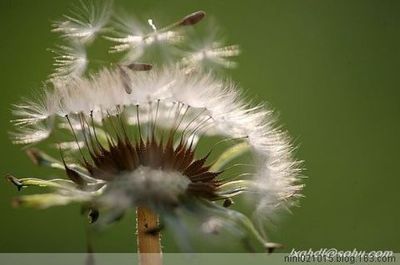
{"x": 143, "y": 186}
{"x": 30, "y": 134}
{"x": 135, "y": 129}
{"x": 69, "y": 61}
{"x": 85, "y": 21}
{"x": 214, "y": 53}
{"x": 136, "y": 38}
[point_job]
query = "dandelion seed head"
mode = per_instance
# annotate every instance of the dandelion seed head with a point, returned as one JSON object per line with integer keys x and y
{"x": 133, "y": 130}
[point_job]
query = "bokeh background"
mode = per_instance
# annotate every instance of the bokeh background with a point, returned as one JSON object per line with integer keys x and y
{"x": 330, "y": 69}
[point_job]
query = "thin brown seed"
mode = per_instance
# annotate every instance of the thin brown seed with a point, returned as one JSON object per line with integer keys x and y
{"x": 192, "y": 19}
{"x": 140, "y": 66}
{"x": 126, "y": 80}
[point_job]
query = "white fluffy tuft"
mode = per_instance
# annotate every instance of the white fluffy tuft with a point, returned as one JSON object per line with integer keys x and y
{"x": 214, "y": 53}
{"x": 210, "y": 99}
{"x": 145, "y": 185}
{"x": 85, "y": 21}
{"x": 136, "y": 38}
{"x": 31, "y": 134}
{"x": 70, "y": 61}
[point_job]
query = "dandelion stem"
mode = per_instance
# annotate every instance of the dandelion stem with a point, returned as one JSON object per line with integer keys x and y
{"x": 148, "y": 237}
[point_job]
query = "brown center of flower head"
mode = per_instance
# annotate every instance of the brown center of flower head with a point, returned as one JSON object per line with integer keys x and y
{"x": 121, "y": 154}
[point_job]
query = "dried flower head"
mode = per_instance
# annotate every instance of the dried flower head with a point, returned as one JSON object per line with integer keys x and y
{"x": 137, "y": 134}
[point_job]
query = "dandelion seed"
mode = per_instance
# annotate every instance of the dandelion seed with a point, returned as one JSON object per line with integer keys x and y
{"x": 85, "y": 21}
{"x": 126, "y": 80}
{"x": 70, "y": 61}
{"x": 139, "y": 39}
{"x": 29, "y": 113}
{"x": 30, "y": 134}
{"x": 215, "y": 54}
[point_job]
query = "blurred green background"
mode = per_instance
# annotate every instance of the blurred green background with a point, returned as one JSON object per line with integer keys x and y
{"x": 330, "y": 68}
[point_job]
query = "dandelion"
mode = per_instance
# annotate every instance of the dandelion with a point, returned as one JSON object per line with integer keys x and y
{"x": 135, "y": 138}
